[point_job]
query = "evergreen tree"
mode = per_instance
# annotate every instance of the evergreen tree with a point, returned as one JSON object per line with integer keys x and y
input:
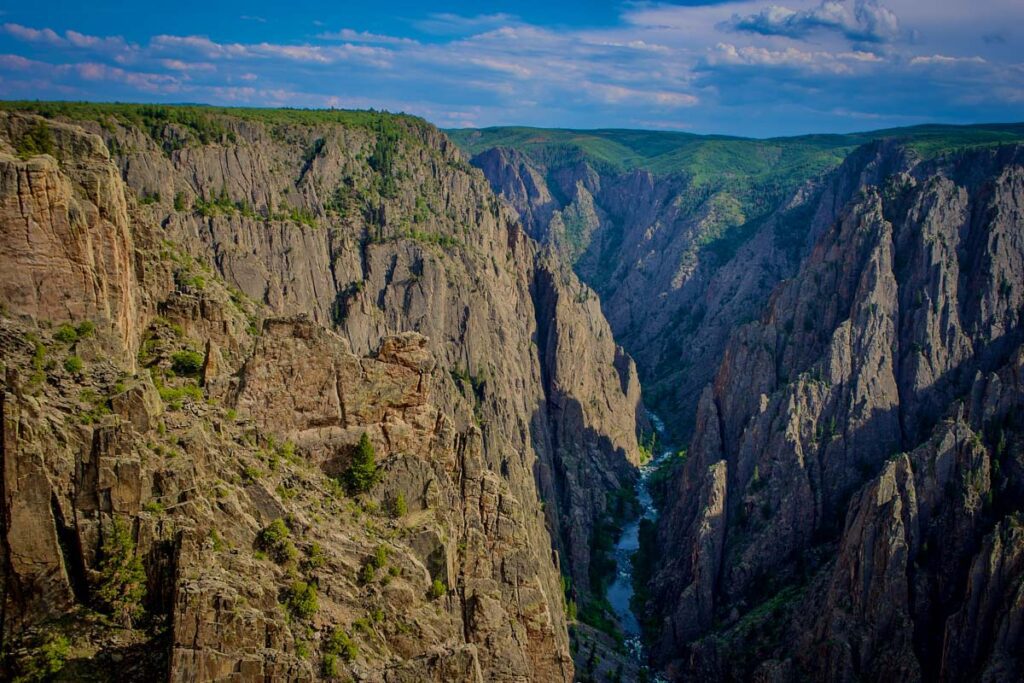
{"x": 122, "y": 577}
{"x": 362, "y": 474}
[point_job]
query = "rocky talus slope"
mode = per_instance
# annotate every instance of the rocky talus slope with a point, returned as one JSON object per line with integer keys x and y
{"x": 203, "y": 313}
{"x": 853, "y": 503}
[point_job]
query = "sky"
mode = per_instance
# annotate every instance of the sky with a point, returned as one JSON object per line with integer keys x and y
{"x": 749, "y": 68}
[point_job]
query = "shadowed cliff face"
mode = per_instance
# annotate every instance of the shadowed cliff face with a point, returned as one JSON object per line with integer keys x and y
{"x": 677, "y": 264}
{"x": 331, "y": 279}
{"x": 852, "y": 500}
{"x": 679, "y": 259}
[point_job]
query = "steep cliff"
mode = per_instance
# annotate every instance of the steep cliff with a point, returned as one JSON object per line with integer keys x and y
{"x": 881, "y": 387}
{"x": 251, "y": 292}
{"x": 683, "y": 236}
{"x": 660, "y": 251}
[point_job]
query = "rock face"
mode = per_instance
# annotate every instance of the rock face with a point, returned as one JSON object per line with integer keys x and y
{"x": 679, "y": 261}
{"x": 262, "y": 293}
{"x": 677, "y": 264}
{"x": 880, "y": 386}
{"x": 68, "y": 234}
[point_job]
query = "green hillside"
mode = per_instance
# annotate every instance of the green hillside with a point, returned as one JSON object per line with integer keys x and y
{"x": 206, "y": 123}
{"x": 704, "y": 157}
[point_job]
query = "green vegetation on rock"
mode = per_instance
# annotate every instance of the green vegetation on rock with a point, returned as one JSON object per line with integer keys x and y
{"x": 301, "y": 600}
{"x": 362, "y": 474}
{"x": 187, "y": 362}
{"x": 38, "y": 140}
{"x": 122, "y": 582}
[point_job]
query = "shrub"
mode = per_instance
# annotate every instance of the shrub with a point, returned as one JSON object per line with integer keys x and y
{"x": 301, "y": 600}
{"x": 153, "y": 507}
{"x": 66, "y": 334}
{"x": 73, "y": 364}
{"x": 85, "y": 328}
{"x": 380, "y": 557}
{"x": 275, "y": 540}
{"x": 187, "y": 362}
{"x": 399, "y": 507}
{"x": 46, "y": 660}
{"x": 314, "y": 557}
{"x": 339, "y": 644}
{"x": 173, "y": 396}
{"x": 192, "y": 281}
{"x": 437, "y": 589}
{"x": 38, "y": 140}
{"x": 362, "y": 475}
{"x": 122, "y": 585}
{"x": 329, "y": 668}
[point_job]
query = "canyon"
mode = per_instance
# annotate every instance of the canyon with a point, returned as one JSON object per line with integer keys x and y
{"x": 318, "y": 394}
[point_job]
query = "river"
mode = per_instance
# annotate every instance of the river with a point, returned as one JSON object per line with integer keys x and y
{"x": 621, "y": 591}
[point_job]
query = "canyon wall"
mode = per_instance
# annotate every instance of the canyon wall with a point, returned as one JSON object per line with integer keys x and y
{"x": 204, "y": 312}
{"x": 851, "y": 503}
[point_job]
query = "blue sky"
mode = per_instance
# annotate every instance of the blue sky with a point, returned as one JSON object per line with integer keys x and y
{"x": 747, "y": 68}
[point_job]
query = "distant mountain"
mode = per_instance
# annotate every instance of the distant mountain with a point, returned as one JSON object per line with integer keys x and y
{"x": 704, "y": 156}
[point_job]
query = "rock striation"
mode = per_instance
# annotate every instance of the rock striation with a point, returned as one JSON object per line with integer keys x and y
{"x": 850, "y": 504}
{"x": 203, "y": 314}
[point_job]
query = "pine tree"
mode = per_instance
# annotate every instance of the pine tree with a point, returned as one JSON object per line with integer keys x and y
{"x": 122, "y": 578}
{"x": 362, "y": 474}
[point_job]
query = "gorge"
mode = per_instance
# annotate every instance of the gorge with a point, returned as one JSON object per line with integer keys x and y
{"x": 320, "y": 394}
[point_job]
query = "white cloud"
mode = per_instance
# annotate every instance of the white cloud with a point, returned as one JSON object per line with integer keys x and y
{"x": 352, "y": 36}
{"x": 33, "y": 35}
{"x": 790, "y": 57}
{"x": 945, "y": 60}
{"x": 18, "y": 63}
{"x": 180, "y": 65}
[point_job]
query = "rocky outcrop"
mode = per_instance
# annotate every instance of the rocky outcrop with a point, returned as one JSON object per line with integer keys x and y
{"x": 415, "y": 310}
{"x": 904, "y": 300}
{"x": 68, "y": 248}
{"x": 593, "y": 444}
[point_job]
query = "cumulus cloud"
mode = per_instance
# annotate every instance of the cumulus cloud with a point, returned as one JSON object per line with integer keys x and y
{"x": 790, "y": 57}
{"x": 33, "y": 35}
{"x": 183, "y": 66}
{"x": 862, "y": 21}
{"x": 70, "y": 39}
{"x": 17, "y": 63}
{"x": 148, "y": 82}
{"x": 190, "y": 46}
